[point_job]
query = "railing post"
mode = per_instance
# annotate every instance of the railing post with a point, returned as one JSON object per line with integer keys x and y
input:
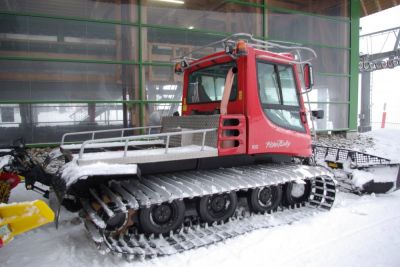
{"x": 126, "y": 147}
{"x": 167, "y": 145}
{"x": 81, "y": 150}
{"x": 62, "y": 139}
{"x": 93, "y": 135}
{"x": 203, "y": 141}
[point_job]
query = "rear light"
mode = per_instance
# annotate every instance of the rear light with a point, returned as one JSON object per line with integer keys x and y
{"x": 181, "y": 66}
{"x": 241, "y": 48}
{"x": 178, "y": 68}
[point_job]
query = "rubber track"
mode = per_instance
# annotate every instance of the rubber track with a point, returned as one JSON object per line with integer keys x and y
{"x": 134, "y": 246}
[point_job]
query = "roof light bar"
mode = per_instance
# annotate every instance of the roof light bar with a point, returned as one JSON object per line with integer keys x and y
{"x": 236, "y": 45}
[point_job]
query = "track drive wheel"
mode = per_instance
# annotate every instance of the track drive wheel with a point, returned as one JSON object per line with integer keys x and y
{"x": 5, "y": 189}
{"x": 265, "y": 199}
{"x": 295, "y": 193}
{"x": 217, "y": 207}
{"x": 162, "y": 218}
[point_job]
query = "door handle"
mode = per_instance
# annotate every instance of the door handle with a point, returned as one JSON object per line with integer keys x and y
{"x": 303, "y": 117}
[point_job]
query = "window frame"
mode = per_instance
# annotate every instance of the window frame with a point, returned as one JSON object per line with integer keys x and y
{"x": 231, "y": 99}
{"x": 280, "y": 106}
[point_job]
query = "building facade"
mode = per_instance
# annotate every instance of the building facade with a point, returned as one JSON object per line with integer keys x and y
{"x": 93, "y": 64}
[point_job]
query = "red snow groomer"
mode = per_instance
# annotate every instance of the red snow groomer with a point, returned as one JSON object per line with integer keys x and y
{"x": 241, "y": 146}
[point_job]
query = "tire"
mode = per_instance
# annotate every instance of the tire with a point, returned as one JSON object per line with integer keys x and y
{"x": 295, "y": 193}
{"x": 217, "y": 207}
{"x": 5, "y": 190}
{"x": 265, "y": 199}
{"x": 163, "y": 218}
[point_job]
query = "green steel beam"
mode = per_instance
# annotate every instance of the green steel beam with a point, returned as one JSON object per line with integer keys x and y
{"x": 94, "y": 61}
{"x": 178, "y": 28}
{"x": 43, "y": 145}
{"x": 141, "y": 87}
{"x": 309, "y": 43}
{"x": 332, "y": 74}
{"x": 329, "y": 102}
{"x": 354, "y": 59}
{"x": 264, "y": 22}
{"x": 70, "y": 18}
{"x": 71, "y": 60}
{"x": 239, "y": 2}
{"x": 158, "y": 64}
{"x": 291, "y": 11}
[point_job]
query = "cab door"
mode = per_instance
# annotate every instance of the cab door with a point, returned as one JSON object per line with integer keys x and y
{"x": 277, "y": 118}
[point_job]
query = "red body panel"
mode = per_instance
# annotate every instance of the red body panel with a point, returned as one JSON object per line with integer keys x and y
{"x": 262, "y": 136}
{"x": 232, "y": 139}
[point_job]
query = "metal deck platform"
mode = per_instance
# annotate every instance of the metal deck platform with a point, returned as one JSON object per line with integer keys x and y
{"x": 147, "y": 155}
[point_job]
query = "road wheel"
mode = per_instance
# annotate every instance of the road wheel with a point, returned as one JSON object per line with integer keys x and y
{"x": 162, "y": 218}
{"x": 296, "y": 193}
{"x": 265, "y": 199}
{"x": 217, "y": 207}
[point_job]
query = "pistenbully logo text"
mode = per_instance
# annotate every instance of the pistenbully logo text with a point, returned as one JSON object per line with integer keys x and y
{"x": 278, "y": 143}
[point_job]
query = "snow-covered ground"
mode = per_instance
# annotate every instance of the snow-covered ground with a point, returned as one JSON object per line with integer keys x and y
{"x": 358, "y": 231}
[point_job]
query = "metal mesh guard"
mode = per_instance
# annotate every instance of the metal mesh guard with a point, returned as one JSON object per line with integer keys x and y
{"x": 340, "y": 155}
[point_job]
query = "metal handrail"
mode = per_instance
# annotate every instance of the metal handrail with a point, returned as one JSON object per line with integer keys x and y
{"x": 130, "y": 138}
{"x": 107, "y": 131}
{"x": 257, "y": 43}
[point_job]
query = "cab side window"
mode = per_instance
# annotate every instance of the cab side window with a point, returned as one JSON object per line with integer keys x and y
{"x": 278, "y": 95}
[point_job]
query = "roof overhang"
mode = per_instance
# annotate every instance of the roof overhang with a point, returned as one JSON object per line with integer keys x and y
{"x": 369, "y": 7}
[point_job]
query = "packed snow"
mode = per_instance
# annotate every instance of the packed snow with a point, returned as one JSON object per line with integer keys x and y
{"x": 358, "y": 231}
{"x": 386, "y": 143}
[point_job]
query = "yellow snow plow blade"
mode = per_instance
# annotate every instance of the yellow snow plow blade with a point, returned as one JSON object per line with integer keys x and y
{"x": 18, "y": 218}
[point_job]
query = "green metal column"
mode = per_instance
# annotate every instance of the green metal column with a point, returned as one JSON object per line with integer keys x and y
{"x": 141, "y": 83}
{"x": 264, "y": 20}
{"x": 354, "y": 59}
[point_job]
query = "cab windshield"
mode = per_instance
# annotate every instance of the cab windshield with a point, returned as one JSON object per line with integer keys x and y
{"x": 207, "y": 85}
{"x": 278, "y": 95}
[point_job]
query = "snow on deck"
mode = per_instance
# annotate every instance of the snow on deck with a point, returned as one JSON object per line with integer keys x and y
{"x": 147, "y": 155}
{"x": 72, "y": 172}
